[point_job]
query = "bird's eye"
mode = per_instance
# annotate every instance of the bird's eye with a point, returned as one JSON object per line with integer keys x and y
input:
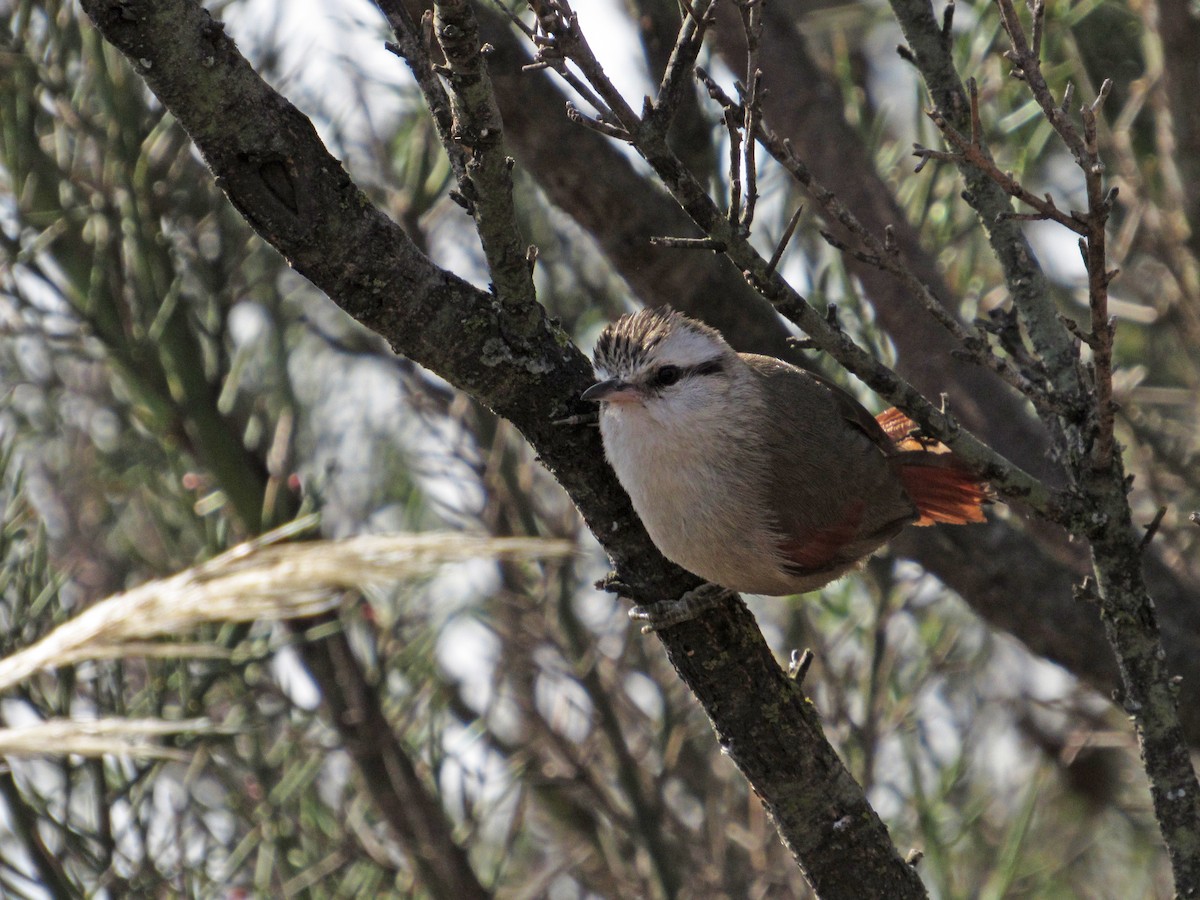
{"x": 667, "y": 376}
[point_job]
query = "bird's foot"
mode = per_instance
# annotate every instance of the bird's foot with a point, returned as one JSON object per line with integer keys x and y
{"x": 665, "y": 613}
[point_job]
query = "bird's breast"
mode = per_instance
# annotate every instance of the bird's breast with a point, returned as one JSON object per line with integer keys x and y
{"x": 699, "y": 490}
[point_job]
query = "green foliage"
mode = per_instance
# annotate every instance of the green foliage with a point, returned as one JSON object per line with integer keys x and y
{"x": 145, "y": 433}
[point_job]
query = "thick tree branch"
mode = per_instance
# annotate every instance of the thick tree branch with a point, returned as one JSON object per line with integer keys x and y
{"x": 1018, "y": 580}
{"x": 268, "y": 158}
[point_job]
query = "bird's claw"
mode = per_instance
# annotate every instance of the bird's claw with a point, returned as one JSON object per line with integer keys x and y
{"x": 665, "y": 613}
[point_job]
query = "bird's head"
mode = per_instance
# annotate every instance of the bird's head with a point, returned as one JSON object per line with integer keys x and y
{"x": 663, "y": 361}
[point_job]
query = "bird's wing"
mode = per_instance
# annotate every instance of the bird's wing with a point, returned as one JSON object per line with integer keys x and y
{"x": 833, "y": 492}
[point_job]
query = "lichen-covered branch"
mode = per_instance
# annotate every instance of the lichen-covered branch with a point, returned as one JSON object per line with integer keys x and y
{"x": 1088, "y": 445}
{"x": 268, "y": 158}
{"x": 929, "y": 49}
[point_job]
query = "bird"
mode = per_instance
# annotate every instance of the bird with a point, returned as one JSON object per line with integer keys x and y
{"x": 754, "y": 474}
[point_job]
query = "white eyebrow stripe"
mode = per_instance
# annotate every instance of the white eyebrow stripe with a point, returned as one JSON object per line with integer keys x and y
{"x": 685, "y": 348}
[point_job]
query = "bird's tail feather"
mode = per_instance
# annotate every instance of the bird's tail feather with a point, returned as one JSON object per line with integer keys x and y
{"x": 940, "y": 486}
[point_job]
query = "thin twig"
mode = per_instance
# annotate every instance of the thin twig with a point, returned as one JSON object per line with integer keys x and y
{"x": 682, "y": 243}
{"x": 1152, "y": 529}
{"x": 412, "y": 46}
{"x": 971, "y": 151}
{"x": 784, "y": 240}
{"x": 677, "y": 74}
{"x": 733, "y": 126}
{"x": 753, "y": 106}
{"x": 974, "y": 344}
{"x": 563, "y": 37}
{"x": 478, "y": 126}
{"x": 581, "y": 118}
{"x": 514, "y": 18}
{"x": 752, "y": 25}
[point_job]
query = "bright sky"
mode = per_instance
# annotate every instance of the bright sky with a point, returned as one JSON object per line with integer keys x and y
{"x": 328, "y": 47}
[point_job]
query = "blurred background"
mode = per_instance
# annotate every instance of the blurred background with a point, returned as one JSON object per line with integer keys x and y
{"x": 168, "y": 387}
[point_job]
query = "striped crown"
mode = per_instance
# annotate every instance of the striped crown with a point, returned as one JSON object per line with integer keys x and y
{"x": 627, "y": 345}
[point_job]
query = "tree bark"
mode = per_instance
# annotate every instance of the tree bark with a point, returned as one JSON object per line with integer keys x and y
{"x": 267, "y": 157}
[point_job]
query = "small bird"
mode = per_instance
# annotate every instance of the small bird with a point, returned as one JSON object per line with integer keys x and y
{"x": 754, "y": 474}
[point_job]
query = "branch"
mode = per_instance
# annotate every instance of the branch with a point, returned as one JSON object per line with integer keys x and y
{"x": 1017, "y": 576}
{"x": 678, "y": 71}
{"x": 479, "y": 128}
{"x": 929, "y": 49}
{"x": 1009, "y": 479}
{"x": 276, "y": 172}
{"x": 972, "y": 152}
{"x": 595, "y": 182}
{"x": 464, "y": 108}
{"x": 751, "y": 96}
{"x": 1127, "y": 611}
{"x": 796, "y": 108}
{"x": 412, "y": 45}
{"x": 882, "y": 255}
{"x": 1129, "y": 618}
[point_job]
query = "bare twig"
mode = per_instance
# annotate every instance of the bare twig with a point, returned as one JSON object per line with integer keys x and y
{"x": 733, "y": 125}
{"x": 561, "y": 37}
{"x": 784, "y": 240}
{"x": 1152, "y": 528}
{"x": 1023, "y": 276}
{"x": 752, "y": 104}
{"x": 974, "y": 344}
{"x": 752, "y": 25}
{"x": 678, "y": 72}
{"x": 412, "y": 46}
{"x": 487, "y": 181}
{"x": 101, "y": 737}
{"x": 682, "y": 243}
{"x": 970, "y": 151}
{"x": 576, "y": 115}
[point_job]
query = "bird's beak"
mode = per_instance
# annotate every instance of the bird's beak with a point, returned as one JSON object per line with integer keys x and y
{"x": 612, "y": 391}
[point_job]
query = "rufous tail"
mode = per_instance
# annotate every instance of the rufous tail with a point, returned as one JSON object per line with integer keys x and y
{"x": 940, "y": 486}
